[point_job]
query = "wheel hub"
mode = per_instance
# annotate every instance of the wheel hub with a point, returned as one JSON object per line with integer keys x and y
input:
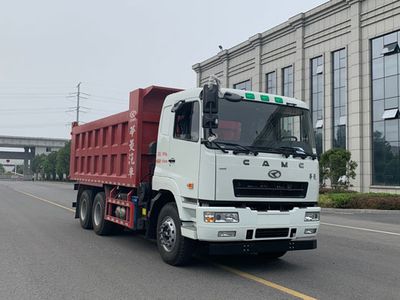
{"x": 83, "y": 206}
{"x": 168, "y": 234}
{"x": 97, "y": 214}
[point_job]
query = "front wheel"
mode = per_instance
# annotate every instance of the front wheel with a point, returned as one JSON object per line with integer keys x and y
{"x": 174, "y": 248}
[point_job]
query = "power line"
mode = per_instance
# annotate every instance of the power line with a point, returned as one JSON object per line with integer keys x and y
{"x": 105, "y": 86}
{"x": 31, "y": 94}
{"x": 110, "y": 98}
{"x": 23, "y": 126}
{"x": 26, "y": 112}
{"x": 35, "y": 107}
{"x": 108, "y": 102}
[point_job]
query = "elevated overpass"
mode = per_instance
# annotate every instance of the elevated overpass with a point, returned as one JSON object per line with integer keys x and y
{"x": 31, "y": 146}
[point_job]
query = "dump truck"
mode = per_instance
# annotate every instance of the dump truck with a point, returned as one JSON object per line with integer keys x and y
{"x": 205, "y": 169}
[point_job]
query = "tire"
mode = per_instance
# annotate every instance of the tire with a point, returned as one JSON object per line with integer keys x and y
{"x": 174, "y": 248}
{"x": 272, "y": 255}
{"x": 85, "y": 209}
{"x": 100, "y": 225}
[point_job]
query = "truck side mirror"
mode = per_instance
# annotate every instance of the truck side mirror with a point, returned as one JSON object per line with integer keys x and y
{"x": 210, "y": 99}
{"x": 210, "y": 121}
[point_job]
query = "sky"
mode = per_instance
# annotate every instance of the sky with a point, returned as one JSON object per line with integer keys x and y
{"x": 112, "y": 47}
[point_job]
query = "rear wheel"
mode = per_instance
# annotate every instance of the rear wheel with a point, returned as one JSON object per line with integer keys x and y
{"x": 174, "y": 248}
{"x": 85, "y": 209}
{"x": 100, "y": 225}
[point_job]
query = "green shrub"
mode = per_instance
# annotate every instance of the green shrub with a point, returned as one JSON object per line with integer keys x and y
{"x": 360, "y": 200}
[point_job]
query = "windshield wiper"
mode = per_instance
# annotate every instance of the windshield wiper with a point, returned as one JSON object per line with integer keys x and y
{"x": 240, "y": 148}
{"x": 266, "y": 149}
{"x": 217, "y": 144}
{"x": 296, "y": 152}
{"x": 285, "y": 151}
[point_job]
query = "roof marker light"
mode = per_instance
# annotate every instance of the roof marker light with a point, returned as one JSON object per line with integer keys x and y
{"x": 278, "y": 100}
{"x": 264, "y": 97}
{"x": 250, "y": 96}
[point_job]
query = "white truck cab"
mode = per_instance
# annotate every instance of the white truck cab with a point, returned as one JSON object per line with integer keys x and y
{"x": 242, "y": 169}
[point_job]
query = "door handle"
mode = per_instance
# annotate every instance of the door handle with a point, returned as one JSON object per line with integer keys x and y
{"x": 171, "y": 160}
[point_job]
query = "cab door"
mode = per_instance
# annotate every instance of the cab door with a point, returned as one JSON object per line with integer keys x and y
{"x": 184, "y": 149}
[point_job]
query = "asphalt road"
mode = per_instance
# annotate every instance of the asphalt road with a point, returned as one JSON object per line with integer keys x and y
{"x": 44, "y": 254}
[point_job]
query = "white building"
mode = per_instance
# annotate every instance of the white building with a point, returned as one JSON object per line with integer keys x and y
{"x": 343, "y": 59}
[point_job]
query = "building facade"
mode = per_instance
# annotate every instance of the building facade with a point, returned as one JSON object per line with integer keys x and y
{"x": 343, "y": 59}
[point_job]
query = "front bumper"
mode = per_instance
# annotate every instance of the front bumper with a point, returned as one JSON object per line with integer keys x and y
{"x": 251, "y": 220}
{"x": 231, "y": 248}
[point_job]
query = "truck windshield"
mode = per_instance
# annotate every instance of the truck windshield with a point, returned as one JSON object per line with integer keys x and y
{"x": 264, "y": 127}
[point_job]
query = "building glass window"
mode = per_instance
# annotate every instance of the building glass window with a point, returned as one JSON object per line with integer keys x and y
{"x": 317, "y": 100}
{"x": 244, "y": 85}
{"x": 385, "y": 79}
{"x": 287, "y": 81}
{"x": 339, "y": 98}
{"x": 271, "y": 83}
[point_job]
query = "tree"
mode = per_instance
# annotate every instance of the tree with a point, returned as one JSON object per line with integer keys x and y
{"x": 62, "y": 164}
{"x": 37, "y": 164}
{"x": 20, "y": 169}
{"x": 54, "y": 164}
{"x": 335, "y": 164}
{"x": 49, "y": 166}
{"x": 2, "y": 170}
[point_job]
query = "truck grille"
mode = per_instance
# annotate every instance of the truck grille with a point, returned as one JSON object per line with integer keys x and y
{"x": 270, "y": 189}
{"x": 272, "y": 232}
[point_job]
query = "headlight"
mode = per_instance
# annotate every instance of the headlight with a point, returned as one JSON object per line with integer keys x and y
{"x": 221, "y": 217}
{"x": 311, "y": 216}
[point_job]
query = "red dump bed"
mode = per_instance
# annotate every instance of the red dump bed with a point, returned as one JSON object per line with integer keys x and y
{"x": 115, "y": 150}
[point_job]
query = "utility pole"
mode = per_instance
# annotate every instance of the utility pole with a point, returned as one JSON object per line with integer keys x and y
{"x": 78, "y": 95}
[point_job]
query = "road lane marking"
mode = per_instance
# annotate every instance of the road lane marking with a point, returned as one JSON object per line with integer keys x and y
{"x": 265, "y": 282}
{"x": 226, "y": 268}
{"x": 360, "y": 228}
{"x": 45, "y": 200}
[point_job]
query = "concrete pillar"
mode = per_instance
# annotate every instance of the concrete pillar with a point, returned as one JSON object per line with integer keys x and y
{"x": 33, "y": 154}
{"x": 224, "y": 59}
{"x": 26, "y": 162}
{"x": 328, "y": 101}
{"x": 355, "y": 92}
{"x": 257, "y": 78}
{"x": 197, "y": 69}
{"x": 297, "y": 22}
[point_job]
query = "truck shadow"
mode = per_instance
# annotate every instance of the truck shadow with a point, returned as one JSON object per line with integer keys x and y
{"x": 249, "y": 262}
{"x": 252, "y": 262}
